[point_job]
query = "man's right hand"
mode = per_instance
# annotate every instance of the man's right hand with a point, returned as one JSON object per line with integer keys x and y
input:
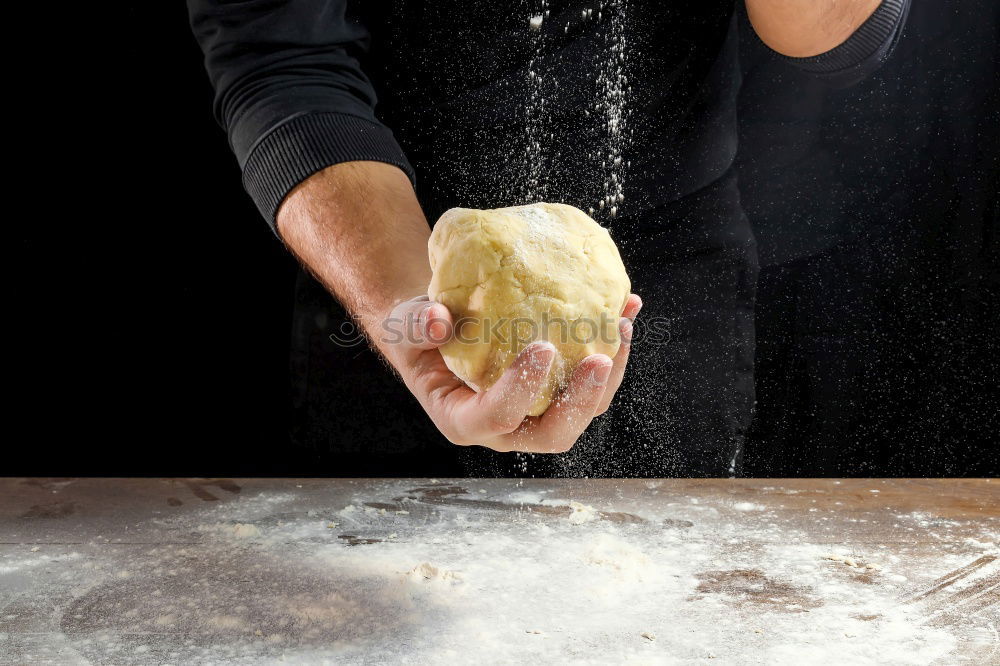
{"x": 497, "y": 418}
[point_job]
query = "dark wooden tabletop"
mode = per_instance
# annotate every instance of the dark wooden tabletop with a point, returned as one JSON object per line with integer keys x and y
{"x": 445, "y": 571}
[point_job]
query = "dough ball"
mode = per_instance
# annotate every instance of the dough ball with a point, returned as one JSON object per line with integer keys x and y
{"x": 512, "y": 276}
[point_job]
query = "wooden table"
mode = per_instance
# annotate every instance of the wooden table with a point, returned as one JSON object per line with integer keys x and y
{"x": 424, "y": 571}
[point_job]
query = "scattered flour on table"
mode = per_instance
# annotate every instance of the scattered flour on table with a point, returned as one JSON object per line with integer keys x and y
{"x": 525, "y": 497}
{"x": 426, "y": 571}
{"x": 853, "y": 562}
{"x": 13, "y": 564}
{"x": 245, "y": 531}
{"x": 235, "y": 530}
{"x": 579, "y": 512}
{"x": 582, "y": 513}
{"x": 986, "y": 545}
{"x": 533, "y": 585}
{"x": 626, "y": 559}
{"x": 748, "y": 506}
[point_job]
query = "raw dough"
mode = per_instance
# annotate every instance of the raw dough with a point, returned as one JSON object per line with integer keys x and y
{"x": 511, "y": 276}
{"x": 582, "y": 513}
{"x": 427, "y": 571}
{"x": 853, "y": 562}
{"x": 245, "y": 531}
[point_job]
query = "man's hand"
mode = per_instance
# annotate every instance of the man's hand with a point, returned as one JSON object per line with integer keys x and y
{"x": 496, "y": 418}
{"x": 358, "y": 228}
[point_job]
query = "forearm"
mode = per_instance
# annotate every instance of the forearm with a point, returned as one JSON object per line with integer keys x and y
{"x": 290, "y": 91}
{"x": 804, "y": 28}
{"x": 359, "y": 229}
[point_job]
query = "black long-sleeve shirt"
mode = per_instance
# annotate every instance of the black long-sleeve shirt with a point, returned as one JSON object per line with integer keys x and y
{"x": 297, "y": 83}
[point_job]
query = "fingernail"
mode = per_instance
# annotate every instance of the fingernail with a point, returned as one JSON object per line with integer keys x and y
{"x": 625, "y": 330}
{"x": 542, "y": 354}
{"x": 423, "y": 318}
{"x": 600, "y": 374}
{"x": 437, "y": 331}
{"x": 434, "y": 328}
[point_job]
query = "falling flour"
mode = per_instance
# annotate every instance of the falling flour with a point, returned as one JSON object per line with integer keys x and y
{"x": 541, "y": 89}
{"x": 611, "y": 107}
{"x": 607, "y": 24}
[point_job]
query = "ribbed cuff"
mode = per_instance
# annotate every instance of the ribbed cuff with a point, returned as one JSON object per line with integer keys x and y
{"x": 305, "y": 144}
{"x": 863, "y": 52}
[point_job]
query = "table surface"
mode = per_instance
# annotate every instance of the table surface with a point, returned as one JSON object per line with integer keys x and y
{"x": 426, "y": 571}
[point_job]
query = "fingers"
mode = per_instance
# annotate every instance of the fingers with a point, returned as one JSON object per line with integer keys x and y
{"x": 509, "y": 400}
{"x": 589, "y": 394}
{"x": 568, "y": 415}
{"x": 496, "y": 418}
{"x": 618, "y": 367}
{"x": 423, "y": 323}
{"x": 502, "y": 409}
{"x": 632, "y": 306}
{"x": 435, "y": 322}
{"x": 625, "y": 329}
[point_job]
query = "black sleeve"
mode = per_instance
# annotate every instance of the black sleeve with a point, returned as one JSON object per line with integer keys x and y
{"x": 860, "y": 55}
{"x": 289, "y": 90}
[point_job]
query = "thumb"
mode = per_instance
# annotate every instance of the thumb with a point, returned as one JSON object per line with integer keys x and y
{"x": 423, "y": 323}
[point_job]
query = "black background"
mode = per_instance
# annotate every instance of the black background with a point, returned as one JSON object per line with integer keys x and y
{"x": 152, "y": 306}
